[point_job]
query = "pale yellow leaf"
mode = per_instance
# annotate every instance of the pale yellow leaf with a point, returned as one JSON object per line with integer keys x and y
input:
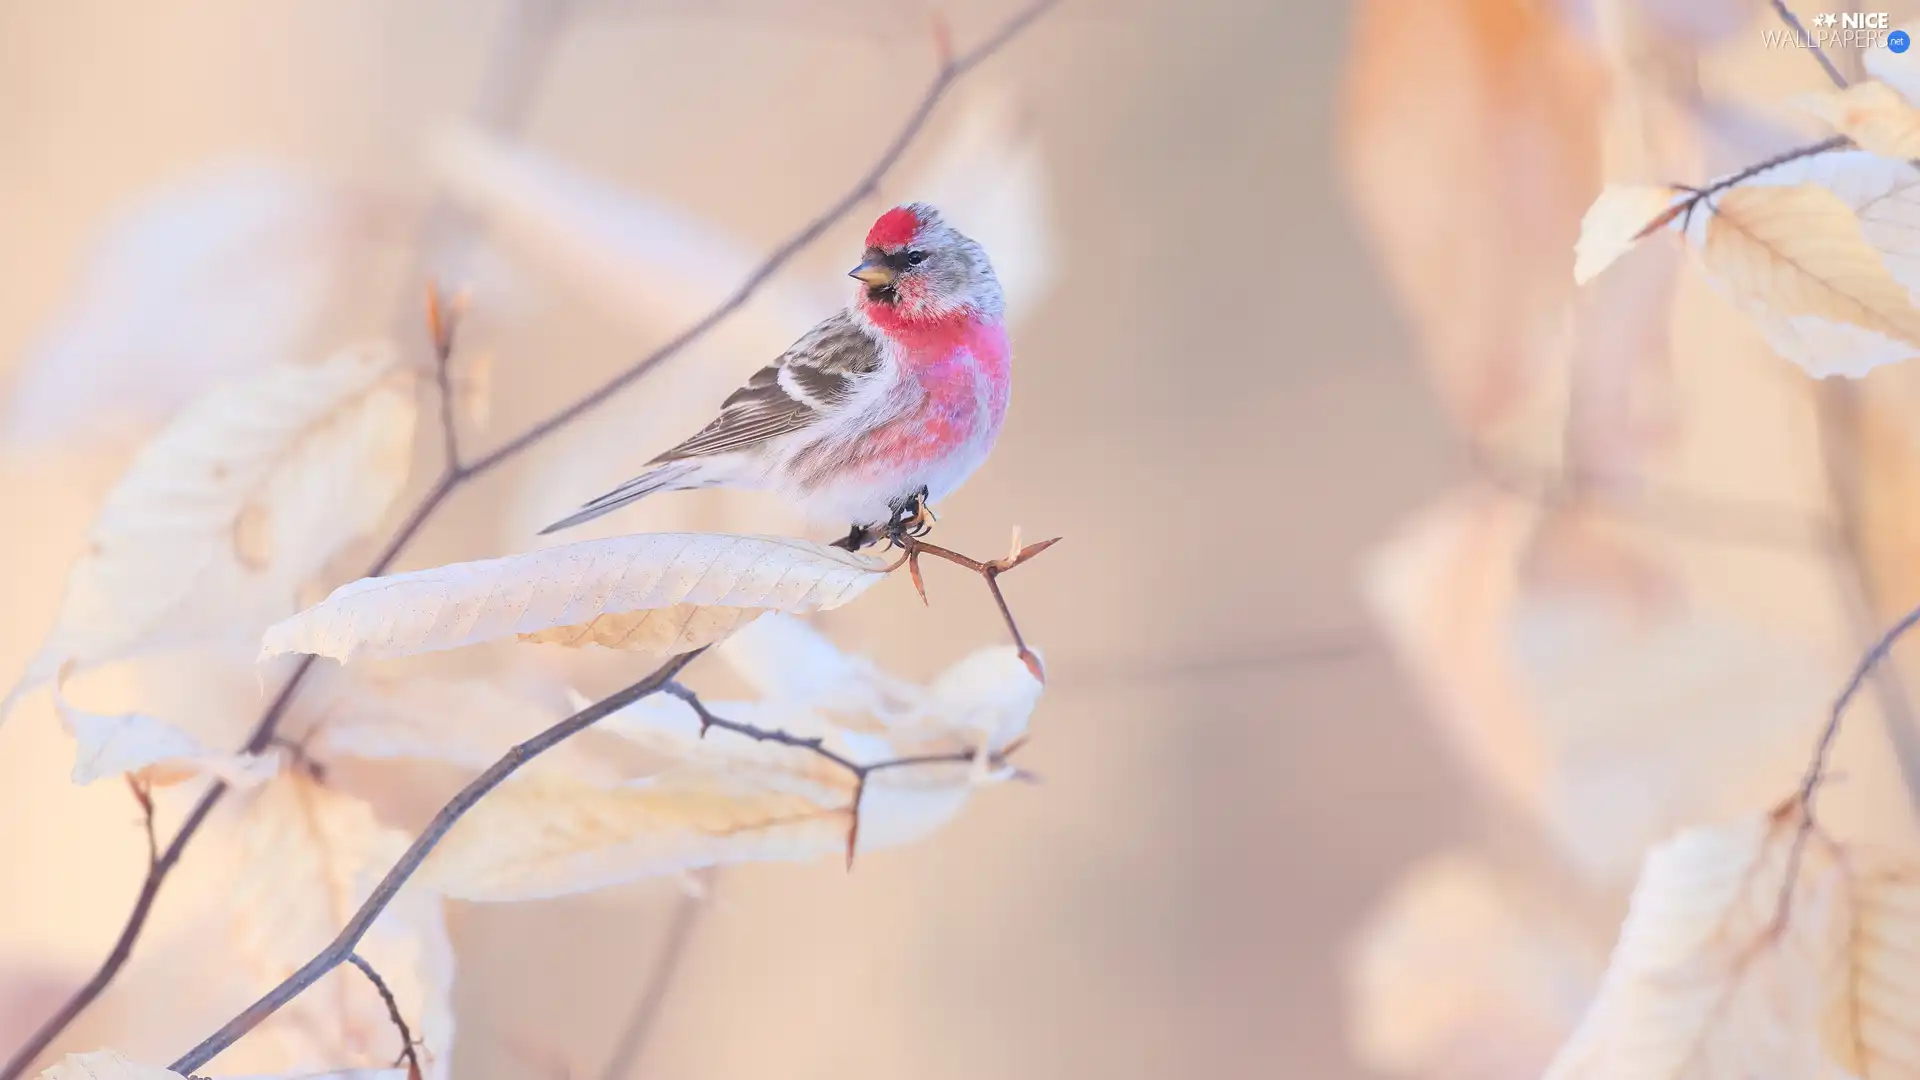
{"x": 236, "y": 504}
{"x": 1457, "y": 975}
{"x": 1796, "y": 260}
{"x": 109, "y": 744}
{"x": 1873, "y": 1020}
{"x": 465, "y": 722}
{"x": 572, "y": 585}
{"x": 1884, "y": 194}
{"x": 787, "y": 659}
{"x": 730, "y": 798}
{"x": 104, "y": 1065}
{"x": 1873, "y": 115}
{"x": 671, "y": 629}
{"x": 308, "y": 856}
{"x": 1586, "y": 678}
{"x": 1617, "y": 220}
{"x": 1703, "y": 984}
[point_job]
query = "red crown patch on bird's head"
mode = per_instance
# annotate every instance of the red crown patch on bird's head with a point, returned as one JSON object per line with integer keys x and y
{"x": 895, "y": 228}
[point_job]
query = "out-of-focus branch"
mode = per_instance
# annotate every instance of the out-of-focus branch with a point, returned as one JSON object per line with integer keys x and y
{"x": 1816, "y": 773}
{"x": 498, "y": 102}
{"x": 952, "y": 70}
{"x": 1787, "y": 16}
{"x": 638, "y": 1029}
{"x": 343, "y": 945}
{"x": 407, "y": 1053}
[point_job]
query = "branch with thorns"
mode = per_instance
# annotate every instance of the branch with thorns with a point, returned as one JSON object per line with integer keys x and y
{"x": 520, "y": 53}
{"x": 912, "y": 547}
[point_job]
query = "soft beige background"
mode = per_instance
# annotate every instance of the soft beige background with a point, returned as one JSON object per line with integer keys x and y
{"x": 1214, "y": 408}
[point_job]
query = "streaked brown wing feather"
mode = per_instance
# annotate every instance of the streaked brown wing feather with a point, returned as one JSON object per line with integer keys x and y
{"x": 822, "y": 370}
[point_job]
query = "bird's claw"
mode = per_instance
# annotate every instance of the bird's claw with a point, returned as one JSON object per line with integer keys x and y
{"x": 912, "y": 519}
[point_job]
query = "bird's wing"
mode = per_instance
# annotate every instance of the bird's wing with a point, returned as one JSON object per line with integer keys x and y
{"x": 809, "y": 381}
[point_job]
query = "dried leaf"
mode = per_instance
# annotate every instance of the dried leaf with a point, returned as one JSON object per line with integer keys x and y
{"x": 1583, "y": 675}
{"x": 465, "y": 722}
{"x": 261, "y": 245}
{"x": 104, "y": 1065}
{"x": 1456, "y": 976}
{"x": 1873, "y": 1019}
{"x": 729, "y": 798}
{"x": 308, "y": 857}
{"x": 1873, "y": 115}
{"x": 661, "y": 630}
{"x": 1898, "y": 70}
{"x": 111, "y": 744}
{"x": 1618, "y": 219}
{"x": 1471, "y": 145}
{"x": 241, "y": 500}
{"x": 788, "y": 660}
{"x": 572, "y": 585}
{"x": 1796, "y": 259}
{"x": 1883, "y": 193}
{"x": 644, "y": 263}
{"x": 1702, "y": 983}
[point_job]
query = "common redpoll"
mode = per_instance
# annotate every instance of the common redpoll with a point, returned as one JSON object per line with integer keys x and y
{"x": 880, "y": 410}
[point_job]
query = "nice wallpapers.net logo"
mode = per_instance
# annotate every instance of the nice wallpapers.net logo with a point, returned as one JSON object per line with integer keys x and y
{"x": 1842, "y": 30}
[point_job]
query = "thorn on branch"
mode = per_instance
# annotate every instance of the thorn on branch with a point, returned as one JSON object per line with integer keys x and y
{"x": 143, "y": 795}
{"x": 443, "y": 319}
{"x": 407, "y": 1053}
{"x": 989, "y": 571}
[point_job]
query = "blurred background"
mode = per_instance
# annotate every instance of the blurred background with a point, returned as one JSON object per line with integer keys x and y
{"x": 1407, "y": 594}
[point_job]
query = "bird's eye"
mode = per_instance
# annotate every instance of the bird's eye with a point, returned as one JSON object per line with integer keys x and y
{"x": 915, "y": 258}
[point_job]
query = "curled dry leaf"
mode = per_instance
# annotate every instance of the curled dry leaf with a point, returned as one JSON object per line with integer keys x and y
{"x": 681, "y": 584}
{"x": 1704, "y": 982}
{"x": 1587, "y": 676}
{"x": 1796, "y": 259}
{"x": 1618, "y": 219}
{"x": 308, "y": 856}
{"x": 1873, "y": 115}
{"x": 241, "y": 500}
{"x": 786, "y": 659}
{"x": 108, "y": 744}
{"x": 1458, "y": 977}
{"x": 727, "y": 798}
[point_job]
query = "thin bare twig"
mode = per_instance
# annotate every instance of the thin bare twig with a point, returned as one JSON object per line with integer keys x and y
{"x": 989, "y": 572}
{"x": 456, "y": 473}
{"x": 817, "y": 746}
{"x": 1793, "y": 24}
{"x": 342, "y": 946}
{"x": 638, "y": 1030}
{"x": 407, "y": 1053}
{"x": 1816, "y": 773}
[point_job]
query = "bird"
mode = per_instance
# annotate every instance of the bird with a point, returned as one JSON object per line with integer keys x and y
{"x": 880, "y": 411}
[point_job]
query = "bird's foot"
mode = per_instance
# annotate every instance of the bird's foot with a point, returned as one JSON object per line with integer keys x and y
{"x": 912, "y": 517}
{"x": 857, "y": 537}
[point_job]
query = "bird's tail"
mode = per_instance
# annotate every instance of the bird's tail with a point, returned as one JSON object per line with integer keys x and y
{"x": 672, "y": 476}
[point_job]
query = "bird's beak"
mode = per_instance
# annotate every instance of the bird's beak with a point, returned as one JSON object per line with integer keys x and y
{"x": 874, "y": 273}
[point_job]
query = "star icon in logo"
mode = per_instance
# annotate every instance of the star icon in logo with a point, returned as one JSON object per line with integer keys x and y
{"x": 1825, "y": 18}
